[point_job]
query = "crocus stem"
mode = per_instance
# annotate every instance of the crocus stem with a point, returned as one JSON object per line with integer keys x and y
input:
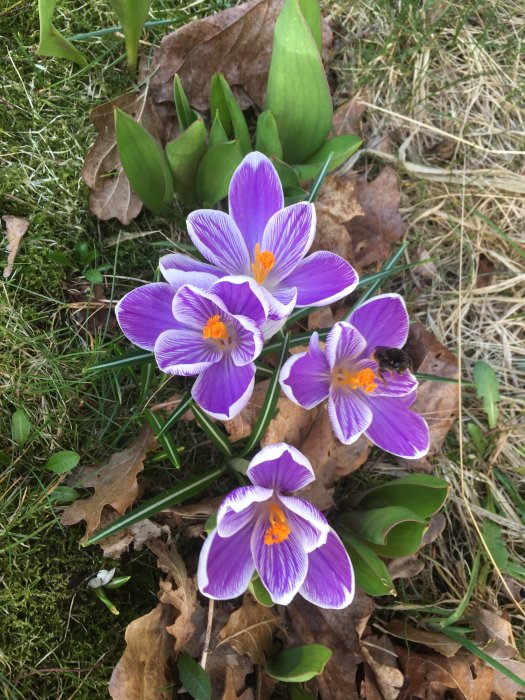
{"x": 206, "y": 646}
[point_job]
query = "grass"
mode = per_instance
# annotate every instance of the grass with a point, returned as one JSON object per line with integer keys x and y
{"x": 438, "y": 77}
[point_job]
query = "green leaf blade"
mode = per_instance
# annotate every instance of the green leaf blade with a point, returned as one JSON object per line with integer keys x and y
{"x": 184, "y": 155}
{"x": 185, "y": 115}
{"x": 51, "y": 42}
{"x": 62, "y": 462}
{"x": 487, "y": 388}
{"x": 298, "y": 664}
{"x": 193, "y": 677}
{"x": 131, "y": 14}
{"x": 20, "y": 427}
{"x": 216, "y": 170}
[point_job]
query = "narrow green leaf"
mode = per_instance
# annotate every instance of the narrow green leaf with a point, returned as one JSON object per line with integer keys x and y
{"x": 216, "y": 170}
{"x": 164, "y": 437}
{"x": 487, "y": 388}
{"x": 259, "y": 592}
{"x": 238, "y": 120}
{"x": 423, "y": 494}
{"x": 478, "y": 439}
{"x": 101, "y": 595}
{"x": 320, "y": 178}
{"x": 131, "y": 15}
{"x": 292, "y": 195}
{"x": 270, "y": 402}
{"x": 492, "y": 534}
{"x": 62, "y": 462}
{"x": 218, "y": 105}
{"x": 312, "y": 14}
{"x": 342, "y": 147}
{"x": 370, "y": 571}
{"x": 267, "y": 136}
{"x": 147, "y": 373}
{"x": 185, "y": 115}
{"x": 217, "y": 133}
{"x": 184, "y": 156}
{"x": 178, "y": 494}
{"x": 211, "y": 429}
{"x": 390, "y": 532}
{"x": 298, "y": 664}
{"x": 144, "y": 163}
{"x": 127, "y": 360}
{"x": 51, "y": 41}
{"x": 458, "y": 612}
{"x": 117, "y": 582}
{"x": 64, "y": 494}
{"x": 20, "y": 427}
{"x": 297, "y": 91}
{"x": 193, "y": 677}
{"x": 287, "y": 174}
{"x": 183, "y": 406}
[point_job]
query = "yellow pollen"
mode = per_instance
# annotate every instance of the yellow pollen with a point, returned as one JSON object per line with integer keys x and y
{"x": 215, "y": 328}
{"x": 264, "y": 261}
{"x": 279, "y": 528}
{"x": 362, "y": 379}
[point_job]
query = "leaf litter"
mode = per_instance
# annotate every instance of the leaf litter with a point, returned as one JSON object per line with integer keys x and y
{"x": 16, "y": 227}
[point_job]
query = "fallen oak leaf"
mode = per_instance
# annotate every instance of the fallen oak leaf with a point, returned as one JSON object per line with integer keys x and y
{"x": 494, "y": 635}
{"x": 434, "y": 640}
{"x": 379, "y": 654}
{"x": 230, "y": 689}
{"x": 16, "y": 227}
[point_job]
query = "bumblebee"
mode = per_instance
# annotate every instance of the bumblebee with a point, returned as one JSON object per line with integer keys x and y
{"x": 391, "y": 360}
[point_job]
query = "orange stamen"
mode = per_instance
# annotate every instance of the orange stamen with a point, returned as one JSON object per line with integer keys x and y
{"x": 215, "y": 329}
{"x": 362, "y": 379}
{"x": 264, "y": 261}
{"x": 279, "y": 528}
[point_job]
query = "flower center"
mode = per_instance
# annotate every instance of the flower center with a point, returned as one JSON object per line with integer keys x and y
{"x": 215, "y": 329}
{"x": 362, "y": 379}
{"x": 264, "y": 261}
{"x": 279, "y": 528}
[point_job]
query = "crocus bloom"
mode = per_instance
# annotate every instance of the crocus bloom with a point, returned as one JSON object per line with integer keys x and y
{"x": 215, "y": 334}
{"x": 262, "y": 239}
{"x": 361, "y": 397}
{"x": 284, "y": 538}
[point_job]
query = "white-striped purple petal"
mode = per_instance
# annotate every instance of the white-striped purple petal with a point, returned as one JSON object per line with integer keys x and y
{"x": 239, "y": 509}
{"x": 280, "y": 467}
{"x": 282, "y": 566}
{"x": 382, "y": 320}
{"x": 349, "y": 414}
{"x": 397, "y": 429}
{"x": 194, "y": 307}
{"x": 392, "y": 383}
{"x": 255, "y": 195}
{"x": 185, "y": 352}
{"x": 146, "y": 312}
{"x": 243, "y": 297}
{"x": 344, "y": 345}
{"x": 305, "y": 377}
{"x": 224, "y": 389}
{"x": 281, "y": 302}
{"x": 308, "y": 523}
{"x": 321, "y": 279}
{"x": 249, "y": 340}
{"x": 179, "y": 269}
{"x": 289, "y": 236}
{"x": 217, "y": 237}
{"x": 329, "y": 582}
{"x": 225, "y": 565}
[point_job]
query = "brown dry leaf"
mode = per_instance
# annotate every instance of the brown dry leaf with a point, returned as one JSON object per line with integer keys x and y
{"x": 494, "y": 635}
{"x": 347, "y": 117}
{"x": 142, "y": 672}
{"x": 139, "y": 534}
{"x": 505, "y": 688}
{"x": 230, "y": 690}
{"x": 16, "y": 227}
{"x": 405, "y": 567}
{"x": 115, "y": 483}
{"x": 485, "y": 275}
{"x": 379, "y": 654}
{"x": 250, "y": 630}
{"x": 434, "y": 640}
{"x": 111, "y": 195}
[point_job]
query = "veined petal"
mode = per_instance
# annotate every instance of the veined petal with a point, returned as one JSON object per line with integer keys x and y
{"x": 185, "y": 352}
{"x": 193, "y": 307}
{"x": 305, "y": 377}
{"x": 383, "y": 320}
{"x": 217, "y": 238}
{"x": 255, "y": 195}
{"x": 391, "y": 383}
{"x": 179, "y": 269}
{"x": 242, "y": 296}
{"x": 321, "y": 279}
{"x": 282, "y": 566}
{"x": 239, "y": 508}
{"x": 225, "y": 565}
{"x": 281, "y": 302}
{"x": 145, "y": 312}
{"x": 397, "y": 429}
{"x": 306, "y": 521}
{"x": 349, "y": 414}
{"x": 329, "y": 582}
{"x": 249, "y": 340}
{"x": 224, "y": 389}
{"x": 344, "y": 344}
{"x": 288, "y": 235}
{"x": 280, "y": 467}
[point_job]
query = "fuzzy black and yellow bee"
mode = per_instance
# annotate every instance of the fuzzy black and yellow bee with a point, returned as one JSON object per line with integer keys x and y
{"x": 393, "y": 360}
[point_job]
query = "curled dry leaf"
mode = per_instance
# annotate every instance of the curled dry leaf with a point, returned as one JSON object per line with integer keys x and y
{"x": 142, "y": 672}
{"x": 114, "y": 481}
{"x": 405, "y": 567}
{"x": 139, "y": 534}
{"x": 494, "y": 635}
{"x": 250, "y": 630}
{"x": 379, "y": 654}
{"x": 434, "y": 640}
{"x": 16, "y": 227}
{"x": 230, "y": 690}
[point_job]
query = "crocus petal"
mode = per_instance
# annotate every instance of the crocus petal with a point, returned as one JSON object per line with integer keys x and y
{"x": 281, "y": 302}
{"x": 321, "y": 279}
{"x": 280, "y": 467}
{"x": 395, "y": 384}
{"x": 349, "y": 414}
{"x": 224, "y": 389}
{"x": 178, "y": 269}
{"x": 282, "y": 566}
{"x": 382, "y": 320}
{"x": 396, "y": 429}
{"x": 288, "y": 235}
{"x": 194, "y": 307}
{"x": 146, "y": 312}
{"x": 242, "y": 296}
{"x": 239, "y": 508}
{"x": 330, "y": 579}
{"x": 255, "y": 195}
{"x": 217, "y": 238}
{"x": 308, "y": 523}
{"x": 185, "y": 352}
{"x": 344, "y": 344}
{"x": 225, "y": 565}
{"x": 305, "y": 377}
{"x": 249, "y": 340}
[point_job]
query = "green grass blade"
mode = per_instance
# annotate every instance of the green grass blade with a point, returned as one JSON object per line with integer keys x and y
{"x": 132, "y": 358}
{"x": 183, "y": 406}
{"x": 216, "y": 435}
{"x": 458, "y": 612}
{"x": 320, "y": 179}
{"x": 165, "y": 439}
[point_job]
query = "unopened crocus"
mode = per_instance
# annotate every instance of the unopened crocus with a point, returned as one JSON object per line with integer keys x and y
{"x": 263, "y": 239}
{"x": 263, "y": 528}
{"x": 362, "y": 397}
{"x": 215, "y": 334}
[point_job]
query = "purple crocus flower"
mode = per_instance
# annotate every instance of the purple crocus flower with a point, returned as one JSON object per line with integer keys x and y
{"x": 262, "y": 239}
{"x": 362, "y": 398}
{"x": 284, "y": 538}
{"x": 215, "y": 334}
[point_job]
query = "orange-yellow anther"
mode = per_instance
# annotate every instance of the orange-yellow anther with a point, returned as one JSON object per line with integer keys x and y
{"x": 362, "y": 379}
{"x": 279, "y": 528}
{"x": 264, "y": 261}
{"x": 215, "y": 328}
